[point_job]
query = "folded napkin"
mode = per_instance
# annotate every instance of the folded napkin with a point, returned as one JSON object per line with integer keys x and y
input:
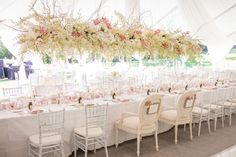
{"x": 36, "y": 110}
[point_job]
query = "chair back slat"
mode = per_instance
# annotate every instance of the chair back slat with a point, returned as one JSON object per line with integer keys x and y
{"x": 13, "y": 92}
{"x": 96, "y": 116}
{"x": 51, "y": 124}
{"x": 47, "y": 90}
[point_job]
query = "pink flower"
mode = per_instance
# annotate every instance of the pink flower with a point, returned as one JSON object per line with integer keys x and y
{"x": 185, "y": 33}
{"x": 145, "y": 43}
{"x": 96, "y": 21}
{"x": 43, "y": 30}
{"x": 76, "y": 34}
{"x": 165, "y": 45}
{"x": 122, "y": 37}
{"x": 106, "y": 22}
{"x": 157, "y": 32}
{"x": 148, "y": 104}
{"x": 101, "y": 46}
{"x": 137, "y": 32}
{"x": 102, "y": 20}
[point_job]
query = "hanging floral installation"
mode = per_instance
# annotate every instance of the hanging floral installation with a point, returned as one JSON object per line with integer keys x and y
{"x": 55, "y": 33}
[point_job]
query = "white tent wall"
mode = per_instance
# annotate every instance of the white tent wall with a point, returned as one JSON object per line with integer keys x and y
{"x": 223, "y": 12}
{"x": 209, "y": 20}
{"x": 203, "y": 26}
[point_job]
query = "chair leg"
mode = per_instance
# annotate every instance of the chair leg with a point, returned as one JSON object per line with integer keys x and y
{"x": 62, "y": 149}
{"x": 105, "y": 145}
{"x": 176, "y": 133}
{"x": 184, "y": 127}
{"x": 75, "y": 146}
{"x": 117, "y": 137}
{"x": 230, "y": 116}
{"x": 138, "y": 144}
{"x": 208, "y": 123}
{"x": 215, "y": 120}
{"x": 191, "y": 130}
{"x": 29, "y": 150}
{"x": 40, "y": 151}
{"x": 199, "y": 127}
{"x": 156, "y": 140}
{"x": 222, "y": 117}
{"x": 86, "y": 148}
{"x": 94, "y": 146}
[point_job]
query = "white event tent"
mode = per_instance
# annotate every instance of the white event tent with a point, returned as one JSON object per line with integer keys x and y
{"x": 211, "y": 21}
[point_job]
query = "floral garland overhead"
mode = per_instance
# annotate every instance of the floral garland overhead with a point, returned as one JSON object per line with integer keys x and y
{"x": 49, "y": 34}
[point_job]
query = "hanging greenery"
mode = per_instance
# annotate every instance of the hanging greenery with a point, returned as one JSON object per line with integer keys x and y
{"x": 4, "y": 52}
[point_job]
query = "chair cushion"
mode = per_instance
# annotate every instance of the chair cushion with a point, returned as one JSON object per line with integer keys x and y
{"x": 92, "y": 132}
{"x": 229, "y": 104}
{"x": 214, "y": 107}
{"x": 47, "y": 139}
{"x": 233, "y": 100}
{"x": 199, "y": 110}
{"x": 168, "y": 116}
{"x": 131, "y": 124}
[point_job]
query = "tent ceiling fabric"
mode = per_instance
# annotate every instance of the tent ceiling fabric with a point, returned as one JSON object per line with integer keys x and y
{"x": 210, "y": 15}
{"x": 226, "y": 22}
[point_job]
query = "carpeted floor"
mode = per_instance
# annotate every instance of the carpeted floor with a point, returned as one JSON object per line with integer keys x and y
{"x": 204, "y": 146}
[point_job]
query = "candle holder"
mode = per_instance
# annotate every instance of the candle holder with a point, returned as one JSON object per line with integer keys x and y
{"x": 186, "y": 87}
{"x": 113, "y": 95}
{"x": 30, "y": 105}
{"x": 201, "y": 85}
{"x": 80, "y": 100}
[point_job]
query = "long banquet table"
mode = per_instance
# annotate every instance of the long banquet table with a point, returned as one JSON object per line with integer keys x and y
{"x": 15, "y": 128}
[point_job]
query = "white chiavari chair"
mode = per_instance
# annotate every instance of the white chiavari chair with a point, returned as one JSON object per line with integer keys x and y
{"x": 230, "y": 104}
{"x": 19, "y": 95}
{"x": 201, "y": 114}
{"x": 50, "y": 137}
{"x": 47, "y": 90}
{"x": 13, "y": 92}
{"x": 215, "y": 107}
{"x": 94, "y": 131}
{"x": 69, "y": 88}
{"x": 145, "y": 122}
{"x": 183, "y": 113}
{"x": 48, "y": 93}
{"x": 34, "y": 79}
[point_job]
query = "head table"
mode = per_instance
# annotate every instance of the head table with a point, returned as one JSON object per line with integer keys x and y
{"x": 17, "y": 127}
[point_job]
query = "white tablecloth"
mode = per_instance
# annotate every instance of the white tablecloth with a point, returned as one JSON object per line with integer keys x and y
{"x": 15, "y": 128}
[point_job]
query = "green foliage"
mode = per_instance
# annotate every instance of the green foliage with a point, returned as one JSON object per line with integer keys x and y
{"x": 4, "y": 52}
{"x": 46, "y": 59}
